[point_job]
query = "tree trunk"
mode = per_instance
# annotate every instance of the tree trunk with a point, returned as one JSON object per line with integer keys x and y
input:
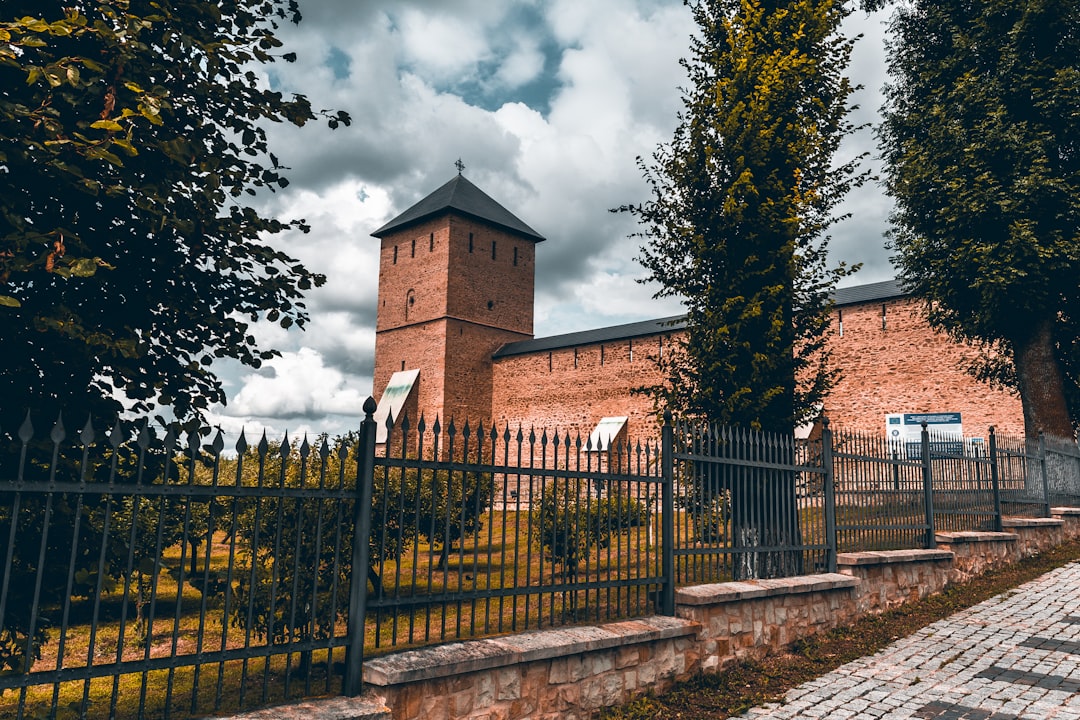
{"x": 1041, "y": 384}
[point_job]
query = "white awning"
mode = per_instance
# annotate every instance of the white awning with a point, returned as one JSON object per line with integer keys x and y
{"x": 606, "y": 432}
{"x": 393, "y": 400}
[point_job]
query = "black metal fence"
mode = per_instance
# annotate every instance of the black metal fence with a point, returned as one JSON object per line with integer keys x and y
{"x": 150, "y": 576}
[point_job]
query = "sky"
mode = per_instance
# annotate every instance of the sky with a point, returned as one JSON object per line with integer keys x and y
{"x": 548, "y": 103}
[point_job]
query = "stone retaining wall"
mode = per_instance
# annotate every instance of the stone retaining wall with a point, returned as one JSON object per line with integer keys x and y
{"x": 891, "y": 577}
{"x": 569, "y": 673}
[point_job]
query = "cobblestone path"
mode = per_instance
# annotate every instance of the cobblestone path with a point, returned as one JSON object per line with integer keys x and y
{"x": 1015, "y": 656}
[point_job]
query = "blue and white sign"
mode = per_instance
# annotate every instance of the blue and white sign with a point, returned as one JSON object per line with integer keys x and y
{"x": 946, "y": 431}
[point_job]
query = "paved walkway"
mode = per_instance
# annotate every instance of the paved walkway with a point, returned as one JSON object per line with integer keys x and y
{"x": 1015, "y": 656}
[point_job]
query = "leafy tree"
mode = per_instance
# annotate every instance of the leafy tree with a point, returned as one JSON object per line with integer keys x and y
{"x": 132, "y": 137}
{"x": 741, "y": 200}
{"x": 89, "y": 543}
{"x": 296, "y": 553}
{"x": 980, "y": 142}
{"x": 571, "y": 523}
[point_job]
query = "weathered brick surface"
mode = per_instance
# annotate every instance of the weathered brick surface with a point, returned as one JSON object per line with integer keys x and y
{"x": 445, "y": 310}
{"x": 447, "y": 303}
{"x": 571, "y": 389}
{"x": 907, "y": 367}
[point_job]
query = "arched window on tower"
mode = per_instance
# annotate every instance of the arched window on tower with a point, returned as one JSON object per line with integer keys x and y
{"x": 410, "y": 300}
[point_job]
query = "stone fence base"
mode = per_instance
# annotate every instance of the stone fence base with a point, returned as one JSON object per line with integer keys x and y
{"x": 570, "y": 673}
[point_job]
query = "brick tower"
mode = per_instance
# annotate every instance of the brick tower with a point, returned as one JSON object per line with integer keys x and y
{"x": 456, "y": 280}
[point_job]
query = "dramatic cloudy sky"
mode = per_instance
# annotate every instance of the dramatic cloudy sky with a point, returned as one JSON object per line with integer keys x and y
{"x": 548, "y": 103}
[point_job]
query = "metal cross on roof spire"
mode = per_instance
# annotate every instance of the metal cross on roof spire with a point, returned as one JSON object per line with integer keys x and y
{"x": 459, "y": 165}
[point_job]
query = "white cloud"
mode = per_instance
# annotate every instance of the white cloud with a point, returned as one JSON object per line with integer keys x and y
{"x": 301, "y": 386}
{"x": 433, "y": 80}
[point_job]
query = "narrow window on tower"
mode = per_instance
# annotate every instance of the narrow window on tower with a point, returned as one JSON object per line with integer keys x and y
{"x": 575, "y": 358}
{"x": 601, "y": 354}
{"x": 549, "y": 361}
{"x": 840, "y": 321}
{"x": 631, "y": 351}
{"x": 661, "y": 347}
{"x": 515, "y": 256}
{"x": 403, "y": 365}
{"x": 492, "y": 249}
{"x": 413, "y": 252}
{"x": 431, "y": 243}
{"x": 395, "y": 254}
{"x": 470, "y": 242}
{"x": 883, "y": 323}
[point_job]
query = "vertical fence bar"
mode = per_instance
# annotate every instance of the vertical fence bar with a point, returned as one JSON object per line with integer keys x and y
{"x": 829, "y": 479}
{"x": 1045, "y": 474}
{"x": 365, "y": 480}
{"x": 928, "y": 489}
{"x": 667, "y": 517}
{"x": 995, "y": 480}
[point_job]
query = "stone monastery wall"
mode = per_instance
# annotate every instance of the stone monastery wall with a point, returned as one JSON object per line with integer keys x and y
{"x": 893, "y": 362}
{"x": 902, "y": 366}
{"x": 456, "y": 286}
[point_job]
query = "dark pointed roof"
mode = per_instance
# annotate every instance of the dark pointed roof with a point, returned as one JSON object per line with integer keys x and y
{"x": 461, "y": 196}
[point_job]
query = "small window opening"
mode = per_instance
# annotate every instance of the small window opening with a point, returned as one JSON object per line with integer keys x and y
{"x": 402, "y": 364}
{"x": 515, "y": 256}
{"x": 661, "y": 347}
{"x": 491, "y": 304}
{"x": 549, "y": 362}
{"x": 431, "y": 242}
{"x": 601, "y": 354}
{"x": 395, "y": 254}
{"x": 884, "y": 323}
{"x": 470, "y": 242}
{"x": 631, "y": 351}
{"x": 492, "y": 249}
{"x": 840, "y": 322}
{"x": 413, "y": 248}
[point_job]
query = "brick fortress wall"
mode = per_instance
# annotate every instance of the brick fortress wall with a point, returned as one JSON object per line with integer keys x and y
{"x": 572, "y": 388}
{"x": 903, "y": 367}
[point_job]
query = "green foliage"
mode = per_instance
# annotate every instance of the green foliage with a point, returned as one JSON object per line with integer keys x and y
{"x": 296, "y": 553}
{"x": 88, "y": 543}
{"x": 741, "y": 200}
{"x": 979, "y": 137}
{"x": 571, "y": 523}
{"x": 132, "y": 137}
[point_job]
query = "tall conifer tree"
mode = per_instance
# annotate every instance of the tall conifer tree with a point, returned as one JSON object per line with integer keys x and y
{"x": 742, "y": 198}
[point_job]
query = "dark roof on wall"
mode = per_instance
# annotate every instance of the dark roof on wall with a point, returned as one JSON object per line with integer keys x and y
{"x": 885, "y": 290}
{"x": 462, "y": 196}
{"x": 592, "y": 337}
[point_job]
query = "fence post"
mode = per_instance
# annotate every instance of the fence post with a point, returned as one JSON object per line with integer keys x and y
{"x": 365, "y": 480}
{"x": 1045, "y": 478}
{"x": 995, "y": 480}
{"x": 667, "y": 517}
{"x": 928, "y": 489}
{"x": 830, "y": 494}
